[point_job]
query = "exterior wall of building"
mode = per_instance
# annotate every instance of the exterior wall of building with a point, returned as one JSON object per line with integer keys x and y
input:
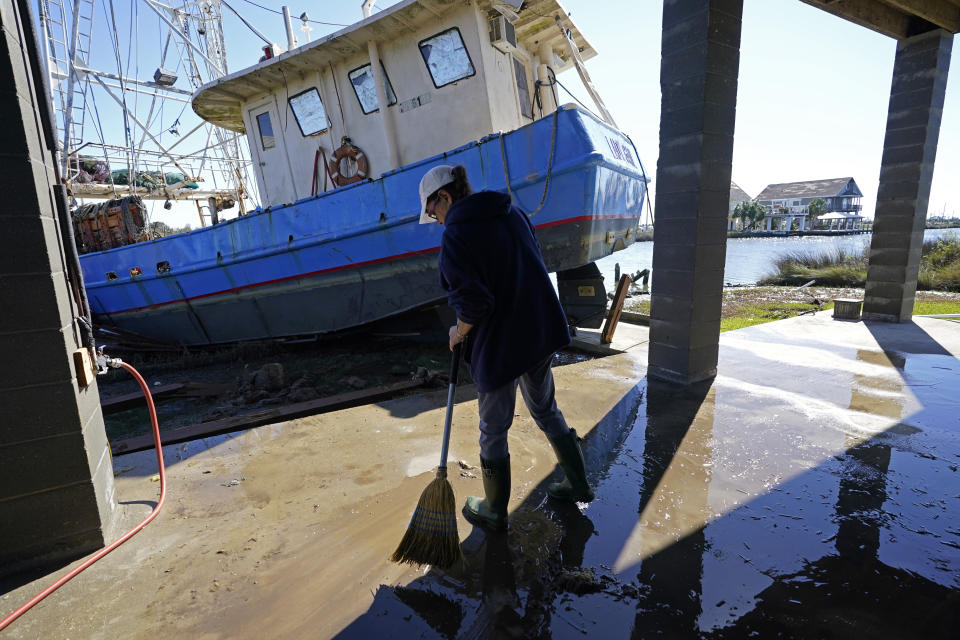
{"x": 56, "y": 480}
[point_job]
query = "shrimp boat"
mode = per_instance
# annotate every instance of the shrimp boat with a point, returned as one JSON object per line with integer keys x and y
{"x": 336, "y": 242}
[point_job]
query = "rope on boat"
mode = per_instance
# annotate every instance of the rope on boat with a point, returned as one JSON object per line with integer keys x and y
{"x": 546, "y": 182}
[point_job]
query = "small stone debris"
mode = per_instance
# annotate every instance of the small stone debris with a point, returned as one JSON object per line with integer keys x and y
{"x": 423, "y": 374}
{"x": 465, "y": 465}
{"x": 303, "y": 394}
{"x": 353, "y": 382}
{"x": 232, "y": 483}
{"x": 580, "y": 582}
{"x": 269, "y": 377}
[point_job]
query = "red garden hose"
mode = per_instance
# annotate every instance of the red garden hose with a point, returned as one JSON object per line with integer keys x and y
{"x": 163, "y": 494}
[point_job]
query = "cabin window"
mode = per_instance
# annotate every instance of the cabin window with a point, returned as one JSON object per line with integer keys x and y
{"x": 523, "y": 89}
{"x": 362, "y": 81}
{"x": 308, "y": 110}
{"x": 266, "y": 131}
{"x": 446, "y": 57}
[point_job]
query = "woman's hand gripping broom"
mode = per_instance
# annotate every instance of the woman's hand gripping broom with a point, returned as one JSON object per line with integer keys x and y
{"x": 431, "y": 537}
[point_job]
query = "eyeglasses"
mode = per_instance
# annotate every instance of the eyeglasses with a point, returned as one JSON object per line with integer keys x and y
{"x": 431, "y": 205}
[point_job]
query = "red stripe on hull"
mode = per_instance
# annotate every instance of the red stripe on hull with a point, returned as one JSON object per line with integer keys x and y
{"x": 309, "y": 274}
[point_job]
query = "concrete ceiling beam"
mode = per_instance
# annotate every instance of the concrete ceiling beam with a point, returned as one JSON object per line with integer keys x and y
{"x": 942, "y": 13}
{"x": 871, "y": 14}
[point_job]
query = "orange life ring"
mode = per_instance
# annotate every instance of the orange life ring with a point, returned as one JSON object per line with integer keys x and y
{"x": 348, "y": 150}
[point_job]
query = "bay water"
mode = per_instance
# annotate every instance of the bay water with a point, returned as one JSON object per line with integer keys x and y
{"x": 748, "y": 259}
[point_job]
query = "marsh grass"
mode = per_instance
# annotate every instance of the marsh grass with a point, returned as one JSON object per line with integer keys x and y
{"x": 939, "y": 267}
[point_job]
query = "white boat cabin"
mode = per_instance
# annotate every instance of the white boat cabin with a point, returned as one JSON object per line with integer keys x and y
{"x": 450, "y": 72}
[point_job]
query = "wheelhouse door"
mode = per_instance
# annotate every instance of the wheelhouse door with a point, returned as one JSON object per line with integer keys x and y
{"x": 271, "y": 153}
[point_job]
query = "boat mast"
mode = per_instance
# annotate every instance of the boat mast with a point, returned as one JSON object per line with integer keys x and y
{"x": 195, "y": 30}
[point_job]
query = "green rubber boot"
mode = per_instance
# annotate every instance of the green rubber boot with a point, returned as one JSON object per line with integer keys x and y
{"x": 574, "y": 487}
{"x": 490, "y": 512}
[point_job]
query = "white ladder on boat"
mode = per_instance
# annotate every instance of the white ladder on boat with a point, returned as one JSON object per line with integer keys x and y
{"x": 68, "y": 90}
{"x": 584, "y": 76}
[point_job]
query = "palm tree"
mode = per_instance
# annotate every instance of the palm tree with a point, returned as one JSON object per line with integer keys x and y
{"x": 815, "y": 209}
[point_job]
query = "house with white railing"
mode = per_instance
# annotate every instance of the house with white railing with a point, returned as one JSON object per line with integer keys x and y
{"x": 788, "y": 204}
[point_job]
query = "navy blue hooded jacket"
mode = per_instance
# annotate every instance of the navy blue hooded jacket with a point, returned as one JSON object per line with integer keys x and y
{"x": 495, "y": 278}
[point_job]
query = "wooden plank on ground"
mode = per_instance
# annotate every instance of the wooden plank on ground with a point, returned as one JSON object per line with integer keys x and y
{"x": 135, "y": 399}
{"x": 616, "y": 308}
{"x": 267, "y": 416}
{"x": 204, "y": 389}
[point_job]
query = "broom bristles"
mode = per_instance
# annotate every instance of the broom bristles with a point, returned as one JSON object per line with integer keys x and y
{"x": 431, "y": 537}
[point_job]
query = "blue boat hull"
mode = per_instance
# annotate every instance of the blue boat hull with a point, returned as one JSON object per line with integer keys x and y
{"x": 357, "y": 254}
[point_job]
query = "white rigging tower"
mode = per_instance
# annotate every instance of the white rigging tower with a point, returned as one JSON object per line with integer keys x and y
{"x": 113, "y": 141}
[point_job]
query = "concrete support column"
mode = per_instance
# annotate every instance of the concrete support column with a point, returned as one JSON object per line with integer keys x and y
{"x": 56, "y": 476}
{"x": 698, "y": 80}
{"x": 906, "y": 171}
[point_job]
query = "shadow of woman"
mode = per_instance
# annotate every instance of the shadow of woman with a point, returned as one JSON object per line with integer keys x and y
{"x": 501, "y": 590}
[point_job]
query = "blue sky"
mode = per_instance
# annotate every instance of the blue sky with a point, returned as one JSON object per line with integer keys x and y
{"x": 812, "y": 96}
{"x": 812, "y": 99}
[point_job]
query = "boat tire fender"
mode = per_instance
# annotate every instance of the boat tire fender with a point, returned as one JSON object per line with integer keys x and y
{"x": 348, "y": 150}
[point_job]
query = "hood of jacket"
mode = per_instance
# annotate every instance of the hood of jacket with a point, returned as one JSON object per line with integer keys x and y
{"x": 478, "y": 206}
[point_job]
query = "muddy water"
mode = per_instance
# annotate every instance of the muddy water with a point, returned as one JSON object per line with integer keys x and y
{"x": 810, "y": 491}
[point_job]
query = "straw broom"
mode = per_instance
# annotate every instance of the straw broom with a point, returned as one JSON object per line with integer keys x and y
{"x": 431, "y": 536}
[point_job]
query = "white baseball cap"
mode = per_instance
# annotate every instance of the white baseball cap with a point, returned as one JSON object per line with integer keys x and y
{"x": 431, "y": 181}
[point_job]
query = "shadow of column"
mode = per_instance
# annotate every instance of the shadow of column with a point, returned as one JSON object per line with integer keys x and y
{"x": 674, "y": 510}
{"x": 863, "y": 485}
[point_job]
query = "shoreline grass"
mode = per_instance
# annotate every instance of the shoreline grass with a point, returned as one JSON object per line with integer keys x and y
{"x": 939, "y": 267}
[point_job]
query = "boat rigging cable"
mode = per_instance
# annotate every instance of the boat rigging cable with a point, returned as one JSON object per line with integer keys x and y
{"x": 244, "y": 21}
{"x": 643, "y": 171}
{"x": 646, "y": 180}
{"x": 546, "y": 181}
{"x": 279, "y": 13}
{"x": 570, "y": 93}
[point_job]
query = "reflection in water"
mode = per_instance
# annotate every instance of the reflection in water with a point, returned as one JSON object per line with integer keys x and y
{"x": 852, "y": 593}
{"x": 863, "y": 485}
{"x": 499, "y": 589}
{"x": 674, "y": 509}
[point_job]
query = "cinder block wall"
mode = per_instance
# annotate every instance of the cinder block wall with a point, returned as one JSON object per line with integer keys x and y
{"x": 917, "y": 95}
{"x": 56, "y": 479}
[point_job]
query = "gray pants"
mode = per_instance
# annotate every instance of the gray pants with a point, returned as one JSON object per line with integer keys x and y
{"x": 496, "y": 409}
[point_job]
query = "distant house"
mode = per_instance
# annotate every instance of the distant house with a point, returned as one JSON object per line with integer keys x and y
{"x": 737, "y": 195}
{"x": 789, "y": 201}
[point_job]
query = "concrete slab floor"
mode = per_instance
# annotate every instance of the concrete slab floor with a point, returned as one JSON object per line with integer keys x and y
{"x": 812, "y": 490}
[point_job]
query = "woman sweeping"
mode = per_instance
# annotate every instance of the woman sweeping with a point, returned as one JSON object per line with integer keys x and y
{"x": 496, "y": 281}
